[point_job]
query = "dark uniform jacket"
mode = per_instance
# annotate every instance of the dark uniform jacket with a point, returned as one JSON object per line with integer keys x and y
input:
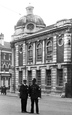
{"x": 23, "y": 91}
{"x": 34, "y": 91}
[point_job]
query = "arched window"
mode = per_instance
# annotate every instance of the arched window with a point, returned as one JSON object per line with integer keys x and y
{"x": 49, "y": 50}
{"x": 60, "y": 40}
{"x": 20, "y": 54}
{"x": 39, "y": 51}
{"x": 20, "y": 49}
{"x": 9, "y": 66}
{"x": 4, "y": 66}
{"x": 30, "y": 53}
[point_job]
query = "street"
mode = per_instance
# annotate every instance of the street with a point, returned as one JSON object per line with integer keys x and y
{"x": 48, "y": 105}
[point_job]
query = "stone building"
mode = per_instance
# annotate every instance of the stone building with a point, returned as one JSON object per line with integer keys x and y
{"x": 42, "y": 52}
{"x": 5, "y": 62}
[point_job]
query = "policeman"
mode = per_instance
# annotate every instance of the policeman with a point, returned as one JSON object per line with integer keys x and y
{"x": 34, "y": 93}
{"x": 24, "y": 96}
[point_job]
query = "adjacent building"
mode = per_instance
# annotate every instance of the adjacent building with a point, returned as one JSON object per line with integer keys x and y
{"x": 42, "y": 52}
{"x": 5, "y": 62}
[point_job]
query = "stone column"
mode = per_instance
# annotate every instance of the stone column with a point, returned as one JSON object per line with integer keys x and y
{"x": 16, "y": 56}
{"x": 54, "y": 77}
{"x": 0, "y": 60}
{"x": 54, "y": 49}
{"x": 34, "y": 58}
{"x": 0, "y": 81}
{"x": 67, "y": 47}
{"x": 24, "y": 73}
{"x": 0, "y": 68}
{"x": 43, "y": 74}
{"x": 24, "y": 53}
{"x": 17, "y": 79}
{"x": 64, "y": 78}
{"x": 12, "y": 72}
{"x": 12, "y": 56}
{"x": 33, "y": 73}
{"x": 43, "y": 50}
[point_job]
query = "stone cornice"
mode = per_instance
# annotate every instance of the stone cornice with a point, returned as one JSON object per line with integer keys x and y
{"x": 41, "y": 33}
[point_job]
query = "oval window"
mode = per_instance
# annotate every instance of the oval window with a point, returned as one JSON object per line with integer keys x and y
{"x": 30, "y": 26}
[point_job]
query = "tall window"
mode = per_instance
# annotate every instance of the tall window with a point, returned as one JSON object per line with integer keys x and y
{"x": 9, "y": 56}
{"x": 39, "y": 51}
{"x": 49, "y": 50}
{"x": 60, "y": 77}
{"x": 48, "y": 77}
{"x": 20, "y": 54}
{"x": 38, "y": 76}
{"x": 4, "y": 56}
{"x": 30, "y": 53}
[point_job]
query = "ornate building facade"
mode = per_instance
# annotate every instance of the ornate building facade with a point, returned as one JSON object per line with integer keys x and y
{"x": 42, "y": 52}
{"x": 5, "y": 62}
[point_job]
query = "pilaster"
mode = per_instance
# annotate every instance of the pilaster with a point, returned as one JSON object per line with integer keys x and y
{"x": 0, "y": 60}
{"x": 67, "y": 47}
{"x": 54, "y": 78}
{"x": 43, "y": 74}
{"x": 0, "y": 68}
{"x": 24, "y": 73}
{"x": 16, "y": 56}
{"x": 33, "y": 73}
{"x": 24, "y": 53}
{"x": 43, "y": 50}
{"x": 12, "y": 81}
{"x": 54, "y": 49}
{"x": 64, "y": 76}
{"x": 34, "y": 53}
{"x": 16, "y": 79}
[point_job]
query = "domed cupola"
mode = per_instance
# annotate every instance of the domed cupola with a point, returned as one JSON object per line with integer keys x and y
{"x": 30, "y": 22}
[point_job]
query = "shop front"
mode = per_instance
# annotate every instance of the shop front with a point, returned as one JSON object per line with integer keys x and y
{"x": 5, "y": 80}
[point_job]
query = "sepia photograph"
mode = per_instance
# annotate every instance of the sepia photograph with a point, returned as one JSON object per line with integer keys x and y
{"x": 35, "y": 57}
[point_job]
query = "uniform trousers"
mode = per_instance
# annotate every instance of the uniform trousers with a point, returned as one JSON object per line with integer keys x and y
{"x": 32, "y": 105}
{"x": 23, "y": 105}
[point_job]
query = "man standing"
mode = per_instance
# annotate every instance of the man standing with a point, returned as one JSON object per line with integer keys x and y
{"x": 34, "y": 93}
{"x": 24, "y": 96}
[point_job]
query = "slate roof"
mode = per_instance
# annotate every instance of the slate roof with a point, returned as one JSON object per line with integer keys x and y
{"x": 6, "y": 46}
{"x": 46, "y": 28}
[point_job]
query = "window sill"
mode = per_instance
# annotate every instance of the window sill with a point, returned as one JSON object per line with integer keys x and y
{"x": 59, "y": 87}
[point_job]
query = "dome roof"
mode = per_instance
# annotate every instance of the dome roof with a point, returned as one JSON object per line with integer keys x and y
{"x": 30, "y": 18}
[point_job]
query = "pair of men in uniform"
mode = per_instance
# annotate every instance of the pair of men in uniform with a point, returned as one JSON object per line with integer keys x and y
{"x": 34, "y": 92}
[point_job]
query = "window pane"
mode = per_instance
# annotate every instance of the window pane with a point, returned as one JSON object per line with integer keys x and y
{"x": 30, "y": 53}
{"x": 49, "y": 50}
{"x": 39, "y": 51}
{"x": 60, "y": 77}
{"x": 48, "y": 77}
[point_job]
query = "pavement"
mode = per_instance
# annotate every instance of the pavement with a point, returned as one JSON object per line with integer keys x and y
{"x": 44, "y": 95}
{"x": 50, "y": 104}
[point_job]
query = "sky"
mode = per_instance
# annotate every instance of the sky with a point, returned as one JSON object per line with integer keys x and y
{"x": 49, "y": 10}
